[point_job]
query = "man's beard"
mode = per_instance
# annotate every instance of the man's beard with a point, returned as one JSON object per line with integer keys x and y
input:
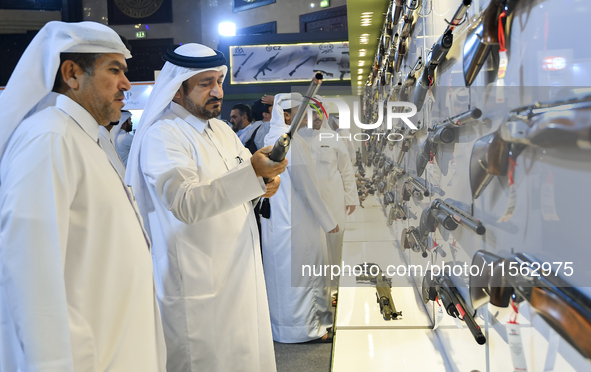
{"x": 102, "y": 106}
{"x": 200, "y": 111}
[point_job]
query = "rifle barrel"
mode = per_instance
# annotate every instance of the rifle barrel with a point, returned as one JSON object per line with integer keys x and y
{"x": 461, "y": 217}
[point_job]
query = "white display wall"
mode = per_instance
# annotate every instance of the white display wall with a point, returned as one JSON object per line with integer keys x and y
{"x": 551, "y": 219}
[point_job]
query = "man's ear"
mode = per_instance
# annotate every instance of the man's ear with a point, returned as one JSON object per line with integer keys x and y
{"x": 70, "y": 73}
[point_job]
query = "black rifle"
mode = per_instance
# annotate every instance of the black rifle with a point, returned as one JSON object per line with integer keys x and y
{"x": 449, "y": 216}
{"x": 265, "y": 66}
{"x": 437, "y": 55}
{"x": 281, "y": 147}
{"x": 442, "y": 287}
{"x": 300, "y": 65}
{"x": 343, "y": 73}
{"x": 443, "y": 133}
{"x": 242, "y": 64}
{"x": 383, "y": 289}
{"x": 563, "y": 307}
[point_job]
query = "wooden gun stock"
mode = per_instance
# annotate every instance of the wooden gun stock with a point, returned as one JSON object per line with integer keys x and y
{"x": 569, "y": 323}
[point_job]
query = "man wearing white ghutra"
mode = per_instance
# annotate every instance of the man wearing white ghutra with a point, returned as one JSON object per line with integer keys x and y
{"x": 76, "y": 285}
{"x": 194, "y": 182}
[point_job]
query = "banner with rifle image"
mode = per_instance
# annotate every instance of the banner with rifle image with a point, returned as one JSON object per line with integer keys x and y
{"x": 281, "y": 63}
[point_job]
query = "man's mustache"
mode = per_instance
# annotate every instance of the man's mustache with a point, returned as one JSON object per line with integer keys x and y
{"x": 213, "y": 100}
{"x": 120, "y": 95}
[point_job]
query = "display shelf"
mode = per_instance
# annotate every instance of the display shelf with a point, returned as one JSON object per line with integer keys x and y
{"x": 367, "y": 232}
{"x": 387, "y": 350}
{"x": 466, "y": 355}
{"x": 358, "y": 309}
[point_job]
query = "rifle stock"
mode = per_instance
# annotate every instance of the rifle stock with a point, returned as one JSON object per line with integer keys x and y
{"x": 564, "y": 308}
{"x": 480, "y": 39}
{"x": 564, "y": 124}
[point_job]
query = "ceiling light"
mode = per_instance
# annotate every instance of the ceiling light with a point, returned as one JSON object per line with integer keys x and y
{"x": 227, "y": 29}
{"x": 360, "y": 71}
{"x": 312, "y": 5}
{"x": 362, "y": 52}
{"x": 361, "y": 63}
{"x": 364, "y": 38}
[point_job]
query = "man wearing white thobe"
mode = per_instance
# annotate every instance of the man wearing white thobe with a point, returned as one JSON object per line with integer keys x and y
{"x": 343, "y": 135}
{"x": 294, "y": 236}
{"x": 336, "y": 179}
{"x": 76, "y": 292}
{"x": 106, "y": 143}
{"x": 121, "y": 136}
{"x": 195, "y": 181}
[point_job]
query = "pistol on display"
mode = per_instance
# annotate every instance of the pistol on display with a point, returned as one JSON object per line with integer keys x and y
{"x": 442, "y": 288}
{"x": 563, "y": 307}
{"x": 383, "y": 289}
{"x": 565, "y": 124}
{"x": 443, "y": 133}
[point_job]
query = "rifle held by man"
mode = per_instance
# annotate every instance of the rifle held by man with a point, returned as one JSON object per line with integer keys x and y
{"x": 281, "y": 147}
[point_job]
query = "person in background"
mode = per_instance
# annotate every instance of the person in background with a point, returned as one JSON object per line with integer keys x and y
{"x": 262, "y": 111}
{"x": 240, "y": 117}
{"x": 336, "y": 180}
{"x": 294, "y": 234}
{"x": 249, "y": 130}
{"x": 195, "y": 183}
{"x": 106, "y": 143}
{"x": 76, "y": 285}
{"x": 122, "y": 136}
{"x": 344, "y": 135}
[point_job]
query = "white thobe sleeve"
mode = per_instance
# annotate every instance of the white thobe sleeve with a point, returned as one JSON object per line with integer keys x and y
{"x": 38, "y": 182}
{"x": 167, "y": 164}
{"x": 347, "y": 174}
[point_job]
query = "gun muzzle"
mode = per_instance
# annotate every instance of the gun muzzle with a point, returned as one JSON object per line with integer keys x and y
{"x": 463, "y": 118}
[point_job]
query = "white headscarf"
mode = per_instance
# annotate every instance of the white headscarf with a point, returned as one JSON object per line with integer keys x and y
{"x": 34, "y": 75}
{"x": 277, "y": 126}
{"x": 117, "y": 128}
{"x": 168, "y": 83}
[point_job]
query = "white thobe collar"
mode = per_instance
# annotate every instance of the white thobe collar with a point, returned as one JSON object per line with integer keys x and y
{"x": 79, "y": 114}
{"x": 194, "y": 121}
